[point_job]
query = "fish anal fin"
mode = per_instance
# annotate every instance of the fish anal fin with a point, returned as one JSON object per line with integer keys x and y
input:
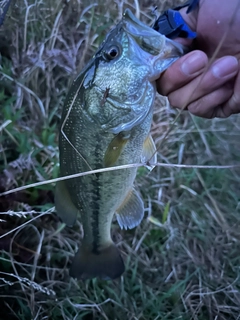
{"x": 149, "y": 154}
{"x": 131, "y": 211}
{"x": 107, "y": 264}
{"x": 115, "y": 148}
{"x": 65, "y": 208}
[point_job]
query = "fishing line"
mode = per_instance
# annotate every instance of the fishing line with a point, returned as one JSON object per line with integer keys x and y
{"x": 65, "y": 120}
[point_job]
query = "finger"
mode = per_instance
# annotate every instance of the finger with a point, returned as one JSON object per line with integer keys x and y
{"x": 220, "y": 72}
{"x": 181, "y": 72}
{"x": 208, "y": 105}
{"x": 232, "y": 106}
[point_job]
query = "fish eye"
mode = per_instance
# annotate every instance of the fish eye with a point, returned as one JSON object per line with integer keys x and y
{"x": 112, "y": 53}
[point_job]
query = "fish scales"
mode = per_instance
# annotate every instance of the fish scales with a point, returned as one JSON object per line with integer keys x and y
{"x": 106, "y": 122}
{"x": 108, "y": 189}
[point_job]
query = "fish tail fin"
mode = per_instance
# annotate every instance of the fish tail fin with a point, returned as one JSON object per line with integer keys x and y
{"x": 106, "y": 264}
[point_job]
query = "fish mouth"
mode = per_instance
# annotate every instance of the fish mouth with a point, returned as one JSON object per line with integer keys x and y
{"x": 151, "y": 41}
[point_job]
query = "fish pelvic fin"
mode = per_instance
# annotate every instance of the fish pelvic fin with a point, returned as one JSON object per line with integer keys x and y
{"x": 65, "y": 208}
{"x": 115, "y": 148}
{"x": 149, "y": 152}
{"x": 131, "y": 211}
{"x": 107, "y": 264}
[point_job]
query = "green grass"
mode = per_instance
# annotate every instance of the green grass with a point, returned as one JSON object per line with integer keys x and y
{"x": 182, "y": 262}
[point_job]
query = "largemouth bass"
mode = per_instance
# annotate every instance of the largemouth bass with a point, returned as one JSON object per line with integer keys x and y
{"x": 106, "y": 122}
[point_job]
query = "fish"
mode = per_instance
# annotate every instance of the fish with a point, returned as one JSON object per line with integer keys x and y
{"x": 106, "y": 122}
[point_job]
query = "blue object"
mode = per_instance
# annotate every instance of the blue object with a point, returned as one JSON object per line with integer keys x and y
{"x": 172, "y": 25}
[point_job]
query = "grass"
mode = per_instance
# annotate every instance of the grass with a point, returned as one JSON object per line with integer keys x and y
{"x": 182, "y": 262}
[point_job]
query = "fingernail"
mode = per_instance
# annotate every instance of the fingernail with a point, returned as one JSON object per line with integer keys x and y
{"x": 225, "y": 67}
{"x": 193, "y": 63}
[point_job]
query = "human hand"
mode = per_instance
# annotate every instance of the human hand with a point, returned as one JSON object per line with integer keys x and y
{"x": 206, "y": 81}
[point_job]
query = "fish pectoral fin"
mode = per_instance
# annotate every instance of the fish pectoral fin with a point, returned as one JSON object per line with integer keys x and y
{"x": 149, "y": 152}
{"x": 115, "y": 148}
{"x": 106, "y": 264}
{"x": 131, "y": 211}
{"x": 65, "y": 208}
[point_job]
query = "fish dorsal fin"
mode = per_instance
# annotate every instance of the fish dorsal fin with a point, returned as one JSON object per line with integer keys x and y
{"x": 115, "y": 148}
{"x": 149, "y": 152}
{"x": 131, "y": 211}
{"x": 65, "y": 208}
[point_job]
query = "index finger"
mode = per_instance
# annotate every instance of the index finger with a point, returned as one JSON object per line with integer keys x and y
{"x": 181, "y": 72}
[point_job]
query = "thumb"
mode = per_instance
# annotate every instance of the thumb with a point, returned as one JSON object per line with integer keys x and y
{"x": 191, "y": 20}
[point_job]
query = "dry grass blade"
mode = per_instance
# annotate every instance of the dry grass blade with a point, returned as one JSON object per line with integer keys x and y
{"x": 135, "y": 165}
{"x": 41, "y": 107}
{"x": 27, "y": 222}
